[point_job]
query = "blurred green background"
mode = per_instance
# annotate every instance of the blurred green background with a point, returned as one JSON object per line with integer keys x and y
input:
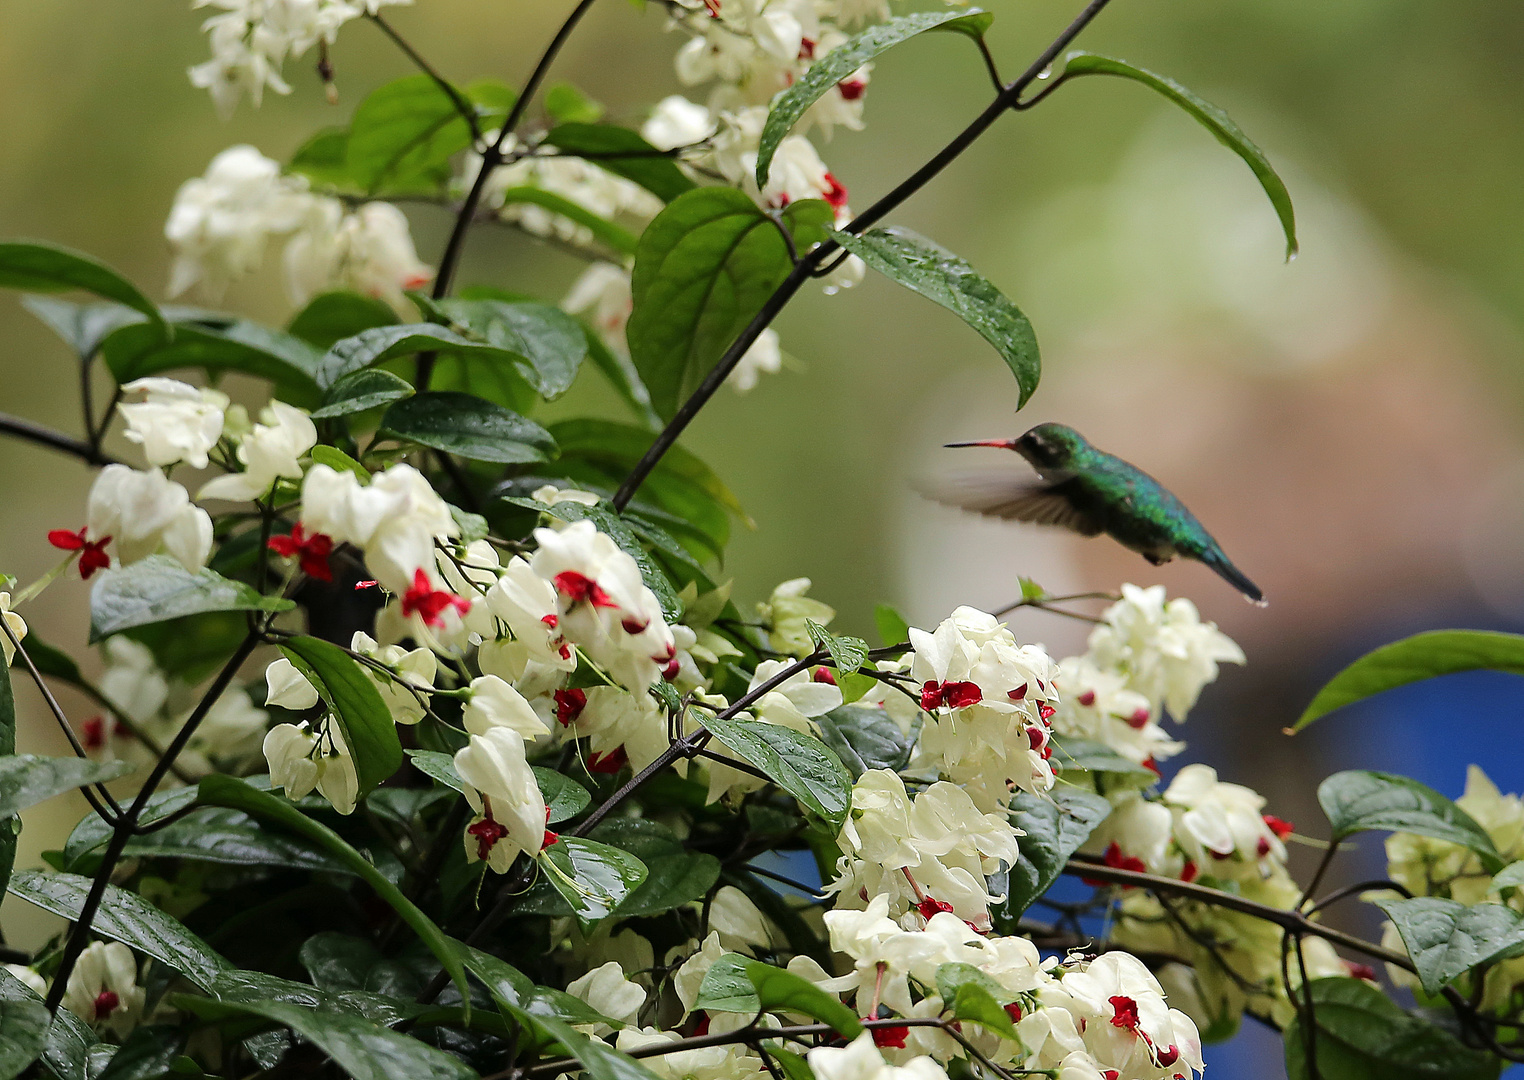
{"x": 1348, "y": 425}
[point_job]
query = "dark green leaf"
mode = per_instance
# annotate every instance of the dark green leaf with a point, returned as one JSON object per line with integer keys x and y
{"x": 49, "y": 661}
{"x": 603, "y": 230}
{"x": 126, "y": 917}
{"x": 727, "y": 987}
{"x": 438, "y": 765}
{"x": 601, "y": 1060}
{"x": 159, "y": 588}
{"x": 794, "y": 1066}
{"x": 1085, "y": 756}
{"x": 658, "y": 175}
{"x": 1358, "y": 801}
{"x": 944, "y": 278}
{"x": 93, "y": 831}
{"x": 217, "y": 834}
{"x": 674, "y": 875}
{"x": 404, "y": 134}
{"x": 238, "y": 794}
{"x": 339, "y": 461}
{"x": 216, "y": 343}
{"x": 802, "y": 765}
{"x": 847, "y": 653}
{"x": 239, "y": 985}
{"x": 68, "y": 1039}
{"x": 336, "y": 961}
{"x": 890, "y": 624}
{"x": 1363, "y": 1035}
{"x": 546, "y": 344}
{"x": 351, "y": 694}
{"x": 564, "y": 797}
{"x": 361, "y": 1048}
{"x": 468, "y": 426}
{"x": 865, "y": 737}
{"x": 568, "y": 105}
{"x": 1055, "y": 826}
{"x": 82, "y": 326}
{"x": 780, "y": 990}
{"x": 970, "y": 994}
{"x": 1208, "y": 116}
{"x": 839, "y": 64}
{"x": 1445, "y": 938}
{"x": 381, "y": 343}
{"x": 194, "y": 646}
{"x": 147, "y": 1053}
{"x": 26, "y": 779}
{"x": 23, "y": 1034}
{"x": 594, "y": 878}
{"x": 48, "y": 268}
{"x": 703, "y": 269}
{"x": 331, "y": 317}
{"x": 511, "y": 988}
{"x": 1413, "y": 659}
{"x": 361, "y": 390}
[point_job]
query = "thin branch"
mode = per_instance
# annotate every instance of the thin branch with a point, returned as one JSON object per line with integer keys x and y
{"x": 465, "y": 108}
{"x": 1038, "y": 601}
{"x": 55, "y": 440}
{"x": 989, "y": 63}
{"x": 1317, "y": 875}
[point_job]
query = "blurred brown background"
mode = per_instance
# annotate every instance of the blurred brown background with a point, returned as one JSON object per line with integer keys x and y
{"x": 1348, "y": 425}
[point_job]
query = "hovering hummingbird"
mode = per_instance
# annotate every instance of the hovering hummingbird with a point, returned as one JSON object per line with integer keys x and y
{"x": 1091, "y": 492}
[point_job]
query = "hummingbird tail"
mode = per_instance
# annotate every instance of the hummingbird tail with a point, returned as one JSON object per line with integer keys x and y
{"x": 1235, "y": 577}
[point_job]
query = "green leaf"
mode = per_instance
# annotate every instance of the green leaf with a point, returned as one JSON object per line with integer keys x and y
{"x": 622, "y": 376}
{"x": 194, "y": 646}
{"x": 1413, "y": 659}
{"x": 568, "y": 105}
{"x": 674, "y": 875}
{"x": 510, "y": 988}
{"x": 48, "y": 268}
{"x": 847, "y": 653}
{"x": 594, "y": 878}
{"x": 382, "y": 343}
{"x": 1363, "y": 1035}
{"x": 564, "y": 797}
{"x": 795, "y": 1066}
{"x": 780, "y": 990}
{"x": 1081, "y": 755}
{"x": 50, "y": 661}
{"x": 839, "y": 64}
{"x": 1358, "y": 801}
{"x": 239, "y": 795}
{"x": 26, "y": 779}
{"x": 339, "y": 461}
{"x": 944, "y": 278}
{"x": 68, "y": 1039}
{"x": 24, "y": 1026}
{"x": 404, "y": 133}
{"x": 1055, "y": 828}
{"x": 545, "y": 344}
{"x": 92, "y": 831}
{"x": 147, "y": 1053}
{"x": 126, "y": 917}
{"x": 81, "y": 326}
{"x": 1208, "y": 116}
{"x": 468, "y": 426}
{"x": 603, "y": 230}
{"x": 361, "y": 390}
{"x": 800, "y": 764}
{"x": 1510, "y": 877}
{"x": 865, "y": 737}
{"x": 727, "y": 987}
{"x": 331, "y": 317}
{"x": 336, "y": 961}
{"x": 217, "y": 834}
{"x": 351, "y": 695}
{"x": 1445, "y": 938}
{"x": 361, "y": 1048}
{"x": 473, "y": 527}
{"x": 159, "y": 588}
{"x": 970, "y": 994}
{"x": 704, "y": 267}
{"x": 438, "y": 765}
{"x": 890, "y": 624}
{"x": 658, "y": 175}
{"x": 240, "y": 985}
{"x": 324, "y": 158}
{"x": 601, "y": 1060}
{"x": 215, "y": 343}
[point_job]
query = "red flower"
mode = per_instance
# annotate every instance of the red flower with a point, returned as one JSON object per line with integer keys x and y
{"x": 823, "y": 675}
{"x": 1152, "y": 766}
{"x": 569, "y": 705}
{"x": 106, "y": 1003}
{"x": 1138, "y": 719}
{"x": 1168, "y": 1056}
{"x": 92, "y": 554}
{"x": 1280, "y": 828}
{"x": 955, "y": 695}
{"x": 851, "y": 89}
{"x": 1124, "y": 1013}
{"x": 579, "y": 587}
{"x": 1086, "y": 699}
{"x": 929, "y": 907}
{"x": 487, "y": 833}
{"x": 429, "y": 603}
{"x": 609, "y": 763}
{"x": 1188, "y": 872}
{"x": 890, "y": 1036}
{"x": 94, "y": 730}
{"x": 1118, "y": 861}
{"x": 836, "y": 194}
{"x": 312, "y": 549}
{"x": 1013, "y": 1010}
{"x": 1045, "y": 710}
{"x": 1017, "y": 694}
{"x": 1360, "y": 971}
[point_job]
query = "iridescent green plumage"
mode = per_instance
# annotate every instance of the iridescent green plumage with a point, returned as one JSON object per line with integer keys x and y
{"x": 1091, "y": 492}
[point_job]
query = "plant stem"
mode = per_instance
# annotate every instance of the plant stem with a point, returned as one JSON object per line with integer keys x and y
{"x": 56, "y": 440}
{"x": 465, "y": 108}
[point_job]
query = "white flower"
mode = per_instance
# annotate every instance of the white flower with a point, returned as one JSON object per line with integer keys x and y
{"x": 603, "y": 291}
{"x": 794, "y": 702}
{"x": 395, "y": 519}
{"x": 860, "y": 1060}
{"x": 528, "y": 604}
{"x": 764, "y": 357}
{"x": 608, "y": 991}
{"x": 578, "y": 181}
{"x": 495, "y": 704}
{"x": 785, "y": 614}
{"x": 619, "y": 725}
{"x": 741, "y": 926}
{"x": 221, "y": 222}
{"x": 33, "y": 981}
{"x": 288, "y": 688}
{"x": 369, "y": 250}
{"x": 1166, "y": 651}
{"x": 675, "y": 122}
{"x": 17, "y": 627}
{"x": 144, "y": 512}
{"x": 504, "y": 793}
{"x": 174, "y": 422}
{"x": 231, "y": 728}
{"x": 299, "y": 763}
{"x": 132, "y": 680}
{"x": 735, "y": 1062}
{"x": 1127, "y": 1025}
{"x": 551, "y": 495}
{"x": 272, "y": 450}
{"x": 1096, "y": 704}
{"x": 415, "y": 667}
{"x": 690, "y": 975}
{"x": 103, "y": 990}
{"x": 1216, "y": 818}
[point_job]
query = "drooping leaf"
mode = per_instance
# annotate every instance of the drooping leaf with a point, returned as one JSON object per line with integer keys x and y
{"x": 1445, "y": 937}
{"x": 361, "y": 390}
{"x": 438, "y": 765}
{"x": 839, "y": 64}
{"x": 1359, "y": 801}
{"x": 93, "y": 831}
{"x": 847, "y": 653}
{"x": 47, "y": 268}
{"x": 468, "y": 426}
{"x": 81, "y": 326}
{"x": 604, "y": 142}
{"x": 944, "y": 278}
{"x": 27, "y": 779}
{"x": 239, "y": 795}
{"x": 674, "y": 874}
{"x": 243, "y": 985}
{"x": 23, "y": 1034}
{"x": 1055, "y": 826}
{"x": 593, "y": 878}
{"x": 381, "y": 343}
{"x": 215, "y": 343}
{"x": 331, "y": 317}
{"x": 68, "y": 1040}
{"x": 564, "y": 797}
{"x": 511, "y": 988}
{"x": 405, "y": 132}
{"x": 800, "y": 764}
{"x": 1413, "y": 659}
{"x": 1363, "y": 1035}
{"x": 217, "y": 834}
{"x": 865, "y": 737}
{"x": 147, "y": 1053}
{"x": 780, "y": 990}
{"x": 727, "y": 987}
{"x": 703, "y": 269}
{"x": 546, "y": 344}
{"x": 126, "y": 917}
{"x": 970, "y": 994}
{"x": 1208, "y": 116}
{"x": 364, "y": 1050}
{"x": 159, "y": 588}
{"x": 351, "y": 695}
{"x": 598, "y": 1058}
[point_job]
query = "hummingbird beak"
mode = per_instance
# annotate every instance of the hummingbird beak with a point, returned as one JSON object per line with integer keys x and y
{"x": 1003, "y": 444}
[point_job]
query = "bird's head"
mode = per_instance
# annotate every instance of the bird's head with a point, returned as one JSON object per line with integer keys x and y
{"x": 1047, "y": 446}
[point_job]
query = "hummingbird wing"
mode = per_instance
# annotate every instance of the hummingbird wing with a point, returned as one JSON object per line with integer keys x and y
{"x": 999, "y": 495}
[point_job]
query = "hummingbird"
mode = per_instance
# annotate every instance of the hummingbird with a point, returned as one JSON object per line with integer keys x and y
{"x": 1089, "y": 491}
